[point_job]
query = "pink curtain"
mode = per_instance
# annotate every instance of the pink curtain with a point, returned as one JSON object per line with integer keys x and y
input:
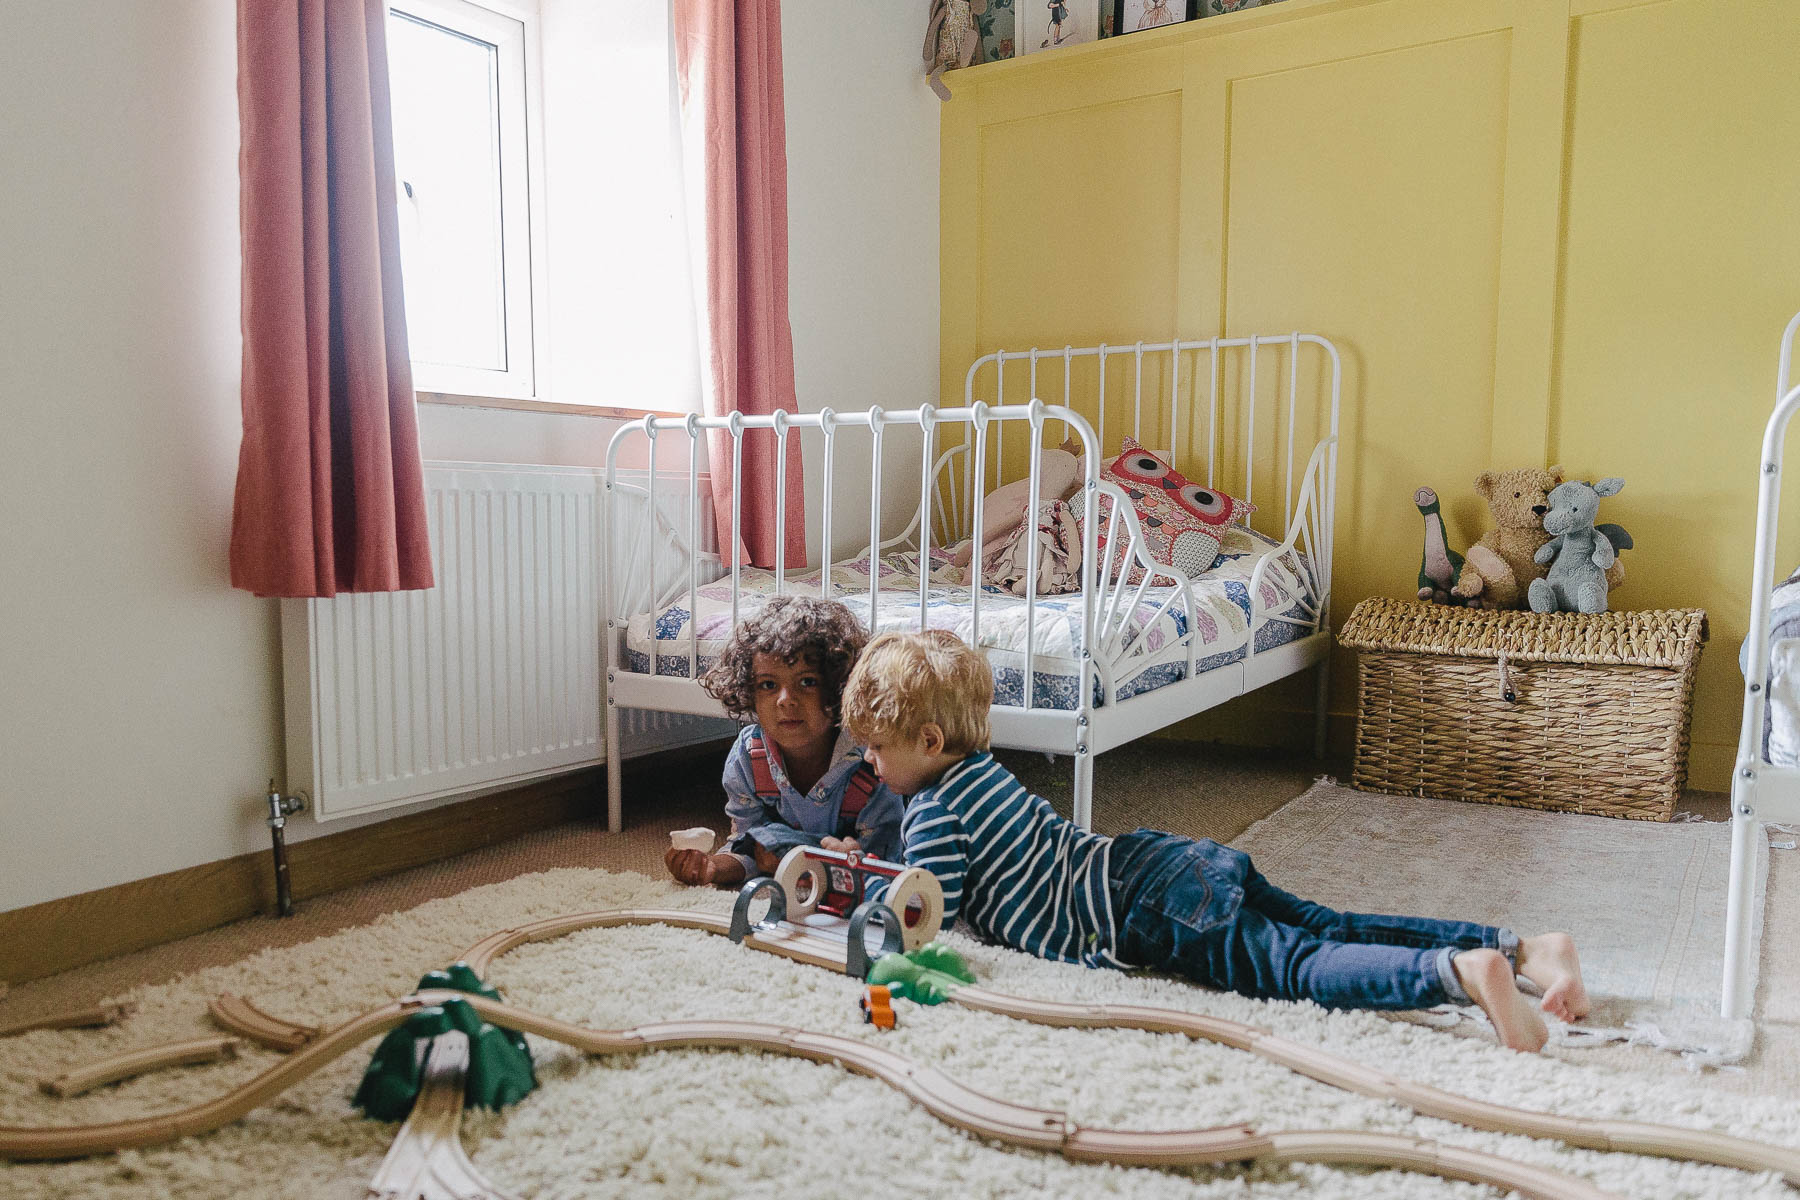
{"x": 728, "y": 62}
{"x": 330, "y": 493}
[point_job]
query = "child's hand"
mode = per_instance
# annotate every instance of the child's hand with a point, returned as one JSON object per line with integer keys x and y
{"x": 841, "y": 845}
{"x": 689, "y": 866}
{"x": 766, "y": 860}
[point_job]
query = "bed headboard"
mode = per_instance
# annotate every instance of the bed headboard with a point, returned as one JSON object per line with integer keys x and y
{"x": 1229, "y": 410}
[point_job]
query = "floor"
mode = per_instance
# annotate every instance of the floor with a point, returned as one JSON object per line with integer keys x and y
{"x": 1241, "y": 787}
{"x": 1192, "y": 788}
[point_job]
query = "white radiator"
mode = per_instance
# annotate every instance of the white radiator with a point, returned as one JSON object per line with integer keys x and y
{"x": 490, "y": 678}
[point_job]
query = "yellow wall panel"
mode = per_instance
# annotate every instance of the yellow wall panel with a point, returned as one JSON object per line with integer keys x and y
{"x": 1082, "y": 239}
{"x": 1379, "y": 234}
{"x": 1682, "y": 264}
{"x": 1556, "y": 228}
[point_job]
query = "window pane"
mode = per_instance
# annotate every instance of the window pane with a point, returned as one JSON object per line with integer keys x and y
{"x": 447, "y": 166}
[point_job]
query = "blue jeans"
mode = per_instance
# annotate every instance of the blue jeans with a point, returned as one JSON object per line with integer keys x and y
{"x": 1202, "y": 910}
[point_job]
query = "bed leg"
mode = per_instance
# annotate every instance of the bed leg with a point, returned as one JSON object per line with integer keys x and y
{"x": 615, "y": 768}
{"x": 1321, "y": 705}
{"x": 1084, "y": 788}
{"x": 1735, "y": 1002}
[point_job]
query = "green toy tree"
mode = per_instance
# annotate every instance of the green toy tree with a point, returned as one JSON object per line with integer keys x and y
{"x": 500, "y": 1071}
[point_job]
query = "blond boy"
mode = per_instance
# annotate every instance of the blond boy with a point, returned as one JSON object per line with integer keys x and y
{"x": 1021, "y": 875}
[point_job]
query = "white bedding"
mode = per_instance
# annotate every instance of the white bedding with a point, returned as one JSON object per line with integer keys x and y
{"x": 1221, "y": 598}
{"x": 1781, "y": 728}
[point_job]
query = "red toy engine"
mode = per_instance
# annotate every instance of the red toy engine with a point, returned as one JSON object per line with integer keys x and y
{"x": 833, "y": 881}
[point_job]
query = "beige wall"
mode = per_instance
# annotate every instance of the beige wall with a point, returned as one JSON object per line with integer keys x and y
{"x": 141, "y": 695}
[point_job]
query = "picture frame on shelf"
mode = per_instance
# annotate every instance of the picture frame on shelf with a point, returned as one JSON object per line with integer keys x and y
{"x": 1049, "y": 24}
{"x": 1129, "y": 16}
{"x": 1220, "y": 8}
{"x": 996, "y": 27}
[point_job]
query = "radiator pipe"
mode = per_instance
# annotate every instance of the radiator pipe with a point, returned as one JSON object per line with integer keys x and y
{"x": 280, "y": 807}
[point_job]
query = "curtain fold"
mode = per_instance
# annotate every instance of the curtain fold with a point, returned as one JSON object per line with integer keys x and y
{"x": 330, "y": 489}
{"x": 734, "y": 134}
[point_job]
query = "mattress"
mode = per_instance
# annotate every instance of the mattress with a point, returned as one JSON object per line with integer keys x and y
{"x": 1221, "y": 620}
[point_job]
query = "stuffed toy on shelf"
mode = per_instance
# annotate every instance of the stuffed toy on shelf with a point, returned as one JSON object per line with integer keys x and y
{"x": 952, "y": 40}
{"x": 1583, "y": 557}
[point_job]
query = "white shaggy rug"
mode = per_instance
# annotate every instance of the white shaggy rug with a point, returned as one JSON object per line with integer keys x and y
{"x": 723, "y": 1123}
{"x": 1644, "y": 900}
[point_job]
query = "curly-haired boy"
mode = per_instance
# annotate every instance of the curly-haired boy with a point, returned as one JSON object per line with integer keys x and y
{"x": 794, "y": 777}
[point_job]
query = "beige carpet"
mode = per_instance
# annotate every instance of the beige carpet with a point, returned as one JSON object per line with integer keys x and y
{"x": 722, "y": 1123}
{"x": 1645, "y": 901}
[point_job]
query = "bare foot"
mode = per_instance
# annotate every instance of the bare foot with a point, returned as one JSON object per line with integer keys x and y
{"x": 1549, "y": 961}
{"x": 1488, "y": 978}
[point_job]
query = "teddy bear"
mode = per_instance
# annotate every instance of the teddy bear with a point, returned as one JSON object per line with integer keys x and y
{"x": 1498, "y": 570}
{"x": 1583, "y": 557}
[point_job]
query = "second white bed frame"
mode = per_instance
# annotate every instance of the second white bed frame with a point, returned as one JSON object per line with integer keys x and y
{"x": 1760, "y": 791}
{"x": 952, "y": 486}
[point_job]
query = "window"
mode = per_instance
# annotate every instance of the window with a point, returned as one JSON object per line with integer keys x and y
{"x": 463, "y": 177}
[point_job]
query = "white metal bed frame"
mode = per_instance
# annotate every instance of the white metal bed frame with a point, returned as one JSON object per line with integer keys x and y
{"x": 1760, "y": 791}
{"x": 1109, "y": 646}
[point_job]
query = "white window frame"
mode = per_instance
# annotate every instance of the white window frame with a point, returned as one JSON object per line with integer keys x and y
{"x": 512, "y": 27}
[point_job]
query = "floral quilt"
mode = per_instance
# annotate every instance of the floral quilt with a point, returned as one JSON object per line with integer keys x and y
{"x": 1221, "y": 620}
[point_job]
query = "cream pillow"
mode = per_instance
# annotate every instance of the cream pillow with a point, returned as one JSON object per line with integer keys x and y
{"x": 1059, "y": 475}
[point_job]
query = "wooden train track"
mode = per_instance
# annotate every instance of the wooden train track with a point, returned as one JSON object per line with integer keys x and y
{"x": 1632, "y": 1137}
{"x": 936, "y": 1092}
{"x": 140, "y": 1062}
{"x": 97, "y": 1017}
{"x": 239, "y": 1016}
{"x": 426, "y": 1161}
{"x": 956, "y": 1104}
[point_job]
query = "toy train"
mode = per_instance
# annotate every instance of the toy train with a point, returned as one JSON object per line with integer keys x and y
{"x": 811, "y": 881}
{"x": 834, "y": 881}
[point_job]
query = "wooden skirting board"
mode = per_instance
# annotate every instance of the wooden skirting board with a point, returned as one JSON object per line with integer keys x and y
{"x": 952, "y": 1102}
{"x": 59, "y": 934}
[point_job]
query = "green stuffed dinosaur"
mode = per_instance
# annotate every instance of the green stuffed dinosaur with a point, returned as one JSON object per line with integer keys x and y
{"x": 1440, "y": 567}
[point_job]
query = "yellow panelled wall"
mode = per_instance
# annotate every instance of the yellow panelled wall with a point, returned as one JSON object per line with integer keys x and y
{"x": 1538, "y": 230}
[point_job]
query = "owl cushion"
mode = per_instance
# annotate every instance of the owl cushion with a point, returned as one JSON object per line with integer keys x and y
{"x": 1182, "y": 521}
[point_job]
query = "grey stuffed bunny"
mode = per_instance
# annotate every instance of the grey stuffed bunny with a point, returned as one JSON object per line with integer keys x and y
{"x": 1583, "y": 557}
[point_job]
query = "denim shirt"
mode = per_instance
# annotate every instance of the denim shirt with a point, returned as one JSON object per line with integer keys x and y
{"x": 798, "y": 819}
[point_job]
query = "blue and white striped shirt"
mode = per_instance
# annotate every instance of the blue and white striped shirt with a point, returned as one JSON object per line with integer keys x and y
{"x": 1010, "y": 866}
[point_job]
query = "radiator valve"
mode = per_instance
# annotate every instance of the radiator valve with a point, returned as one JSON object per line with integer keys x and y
{"x": 282, "y": 807}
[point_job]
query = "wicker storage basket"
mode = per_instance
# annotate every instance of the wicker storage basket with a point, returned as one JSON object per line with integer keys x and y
{"x": 1580, "y": 713}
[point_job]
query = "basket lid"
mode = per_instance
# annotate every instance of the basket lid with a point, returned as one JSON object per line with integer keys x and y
{"x": 1661, "y": 637}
